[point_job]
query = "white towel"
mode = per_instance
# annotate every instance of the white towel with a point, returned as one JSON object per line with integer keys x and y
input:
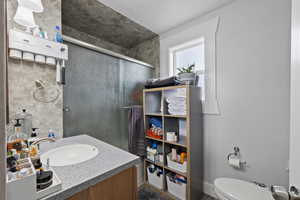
{"x": 176, "y": 99}
{"x": 177, "y": 108}
{"x": 173, "y": 111}
{"x": 177, "y": 113}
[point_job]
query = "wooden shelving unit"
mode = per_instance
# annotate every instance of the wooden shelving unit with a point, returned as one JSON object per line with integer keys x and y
{"x": 155, "y": 106}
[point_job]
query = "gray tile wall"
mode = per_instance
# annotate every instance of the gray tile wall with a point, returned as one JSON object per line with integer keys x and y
{"x": 85, "y": 37}
{"x": 99, "y": 20}
{"x": 21, "y": 74}
{"x": 147, "y": 51}
{"x": 2, "y": 99}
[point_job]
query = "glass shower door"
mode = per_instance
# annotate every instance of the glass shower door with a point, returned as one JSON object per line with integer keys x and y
{"x": 98, "y": 88}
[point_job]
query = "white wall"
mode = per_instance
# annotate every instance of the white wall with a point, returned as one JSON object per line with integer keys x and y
{"x": 295, "y": 97}
{"x": 253, "y": 75}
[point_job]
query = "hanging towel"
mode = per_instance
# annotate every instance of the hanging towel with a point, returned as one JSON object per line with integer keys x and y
{"x": 136, "y": 138}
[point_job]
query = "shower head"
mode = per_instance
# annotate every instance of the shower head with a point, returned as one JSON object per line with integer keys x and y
{"x": 39, "y": 84}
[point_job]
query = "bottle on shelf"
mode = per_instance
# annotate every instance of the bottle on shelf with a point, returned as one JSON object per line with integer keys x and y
{"x": 33, "y": 136}
{"x": 58, "y": 37}
{"x": 26, "y": 124}
{"x": 51, "y": 134}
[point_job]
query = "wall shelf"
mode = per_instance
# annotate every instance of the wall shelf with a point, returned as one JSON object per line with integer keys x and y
{"x": 156, "y": 139}
{"x": 190, "y": 141}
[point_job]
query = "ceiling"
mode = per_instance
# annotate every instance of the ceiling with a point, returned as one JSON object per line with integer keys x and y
{"x": 96, "y": 19}
{"x": 161, "y": 15}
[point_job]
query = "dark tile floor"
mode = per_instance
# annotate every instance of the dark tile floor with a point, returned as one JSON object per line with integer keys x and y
{"x": 146, "y": 193}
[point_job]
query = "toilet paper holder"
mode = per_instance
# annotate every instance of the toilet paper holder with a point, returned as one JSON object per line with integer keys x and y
{"x": 236, "y": 153}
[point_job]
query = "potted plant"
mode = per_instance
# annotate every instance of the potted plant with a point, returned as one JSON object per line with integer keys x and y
{"x": 187, "y": 74}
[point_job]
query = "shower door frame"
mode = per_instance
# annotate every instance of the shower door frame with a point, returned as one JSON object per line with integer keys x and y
{"x": 122, "y": 60}
{"x": 104, "y": 51}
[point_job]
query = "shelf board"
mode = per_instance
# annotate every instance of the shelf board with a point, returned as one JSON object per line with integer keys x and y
{"x": 166, "y": 167}
{"x": 155, "y": 163}
{"x": 165, "y": 115}
{"x": 166, "y": 88}
{"x": 154, "y": 114}
{"x": 175, "y": 116}
{"x": 181, "y": 143}
{"x": 175, "y": 171}
{"x": 151, "y": 138}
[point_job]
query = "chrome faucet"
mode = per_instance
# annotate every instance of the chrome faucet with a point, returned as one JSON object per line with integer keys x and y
{"x": 43, "y": 140}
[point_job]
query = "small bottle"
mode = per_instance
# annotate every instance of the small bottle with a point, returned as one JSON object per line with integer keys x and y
{"x": 33, "y": 136}
{"x": 26, "y": 118}
{"x": 58, "y": 37}
{"x": 51, "y": 134}
{"x": 21, "y": 136}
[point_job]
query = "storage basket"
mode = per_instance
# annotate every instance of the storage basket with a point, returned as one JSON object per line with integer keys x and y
{"x": 176, "y": 166}
{"x": 176, "y": 189}
{"x": 153, "y": 179}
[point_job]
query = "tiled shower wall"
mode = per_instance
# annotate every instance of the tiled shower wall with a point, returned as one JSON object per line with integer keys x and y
{"x": 147, "y": 51}
{"x": 22, "y": 75}
{"x": 74, "y": 33}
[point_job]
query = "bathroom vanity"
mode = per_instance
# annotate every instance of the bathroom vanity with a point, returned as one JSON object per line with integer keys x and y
{"x": 111, "y": 174}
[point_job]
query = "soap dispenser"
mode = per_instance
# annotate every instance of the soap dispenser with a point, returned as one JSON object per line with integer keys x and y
{"x": 26, "y": 118}
{"x": 19, "y": 135}
{"x": 33, "y": 136}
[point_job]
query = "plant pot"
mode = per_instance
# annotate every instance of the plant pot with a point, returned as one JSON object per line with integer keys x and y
{"x": 188, "y": 78}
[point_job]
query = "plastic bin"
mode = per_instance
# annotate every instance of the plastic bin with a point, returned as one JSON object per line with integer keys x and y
{"x": 176, "y": 166}
{"x": 23, "y": 188}
{"x": 153, "y": 179}
{"x": 176, "y": 189}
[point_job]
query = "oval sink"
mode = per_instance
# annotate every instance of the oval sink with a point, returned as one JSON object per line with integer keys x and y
{"x": 69, "y": 155}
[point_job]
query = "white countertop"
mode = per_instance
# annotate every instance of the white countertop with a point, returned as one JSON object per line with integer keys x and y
{"x": 75, "y": 178}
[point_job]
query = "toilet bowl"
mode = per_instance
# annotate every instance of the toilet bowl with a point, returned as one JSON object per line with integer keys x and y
{"x": 234, "y": 189}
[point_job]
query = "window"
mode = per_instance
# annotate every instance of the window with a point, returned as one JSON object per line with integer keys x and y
{"x": 191, "y": 54}
{"x": 194, "y": 42}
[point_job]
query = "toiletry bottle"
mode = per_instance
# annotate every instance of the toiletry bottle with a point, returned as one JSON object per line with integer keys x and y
{"x": 51, "y": 133}
{"x": 26, "y": 121}
{"x": 33, "y": 136}
{"x": 58, "y": 37}
{"x": 36, "y": 31}
{"x": 20, "y": 138}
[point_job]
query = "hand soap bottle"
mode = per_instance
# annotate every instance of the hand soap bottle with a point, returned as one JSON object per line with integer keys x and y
{"x": 33, "y": 136}
{"x": 26, "y": 121}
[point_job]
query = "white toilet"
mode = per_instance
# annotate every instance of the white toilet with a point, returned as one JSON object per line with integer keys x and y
{"x": 234, "y": 189}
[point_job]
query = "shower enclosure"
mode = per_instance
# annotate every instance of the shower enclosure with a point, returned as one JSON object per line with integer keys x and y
{"x": 98, "y": 89}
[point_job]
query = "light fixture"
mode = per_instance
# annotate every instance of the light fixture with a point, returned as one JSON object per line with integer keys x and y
{"x": 24, "y": 17}
{"x": 33, "y": 5}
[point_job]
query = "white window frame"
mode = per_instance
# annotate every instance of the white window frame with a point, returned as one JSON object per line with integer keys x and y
{"x": 172, "y": 56}
{"x": 173, "y": 50}
{"x": 177, "y": 39}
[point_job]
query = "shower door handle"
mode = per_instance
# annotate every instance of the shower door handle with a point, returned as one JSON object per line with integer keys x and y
{"x": 66, "y": 109}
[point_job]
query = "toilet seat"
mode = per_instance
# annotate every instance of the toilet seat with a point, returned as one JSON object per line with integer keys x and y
{"x": 234, "y": 189}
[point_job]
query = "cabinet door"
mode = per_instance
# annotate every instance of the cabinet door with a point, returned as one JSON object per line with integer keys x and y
{"x": 121, "y": 186}
{"x": 84, "y": 195}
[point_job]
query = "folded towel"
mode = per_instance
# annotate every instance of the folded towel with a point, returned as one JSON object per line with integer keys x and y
{"x": 176, "y": 99}
{"x": 177, "y": 113}
{"x": 177, "y": 106}
{"x": 163, "y": 82}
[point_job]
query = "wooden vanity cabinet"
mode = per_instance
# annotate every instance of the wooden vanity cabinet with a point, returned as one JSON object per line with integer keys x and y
{"x": 120, "y": 186}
